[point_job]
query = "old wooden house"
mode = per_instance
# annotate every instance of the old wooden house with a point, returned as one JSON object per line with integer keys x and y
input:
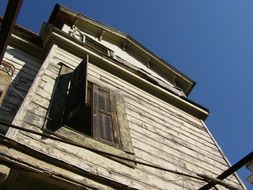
{"x": 84, "y": 106}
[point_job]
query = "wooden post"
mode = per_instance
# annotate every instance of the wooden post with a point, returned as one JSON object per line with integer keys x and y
{"x": 8, "y": 24}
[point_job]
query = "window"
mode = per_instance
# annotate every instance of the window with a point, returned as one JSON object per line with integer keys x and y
{"x": 98, "y": 118}
{"x": 82, "y": 109}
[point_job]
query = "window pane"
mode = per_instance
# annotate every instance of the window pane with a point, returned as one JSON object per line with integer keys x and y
{"x": 104, "y": 101}
{"x": 106, "y": 128}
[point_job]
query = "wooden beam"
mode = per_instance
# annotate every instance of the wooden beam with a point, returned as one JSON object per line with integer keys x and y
{"x": 8, "y": 24}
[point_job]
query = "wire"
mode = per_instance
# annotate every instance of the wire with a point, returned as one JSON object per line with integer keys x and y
{"x": 63, "y": 139}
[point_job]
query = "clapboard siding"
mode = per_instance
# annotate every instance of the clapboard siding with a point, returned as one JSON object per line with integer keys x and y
{"x": 139, "y": 177}
{"x": 208, "y": 159}
{"x": 159, "y": 121}
{"x": 176, "y": 128}
{"x": 172, "y": 112}
{"x": 173, "y": 132}
{"x": 150, "y": 103}
{"x": 213, "y": 158}
{"x": 170, "y": 146}
{"x": 67, "y": 58}
{"x": 166, "y": 123}
{"x": 179, "y": 160}
{"x": 161, "y": 134}
{"x": 26, "y": 68}
{"x": 95, "y": 164}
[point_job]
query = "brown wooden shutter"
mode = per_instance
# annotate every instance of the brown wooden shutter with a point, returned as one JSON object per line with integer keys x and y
{"x": 77, "y": 96}
{"x": 125, "y": 136}
{"x": 59, "y": 99}
{"x": 104, "y": 117}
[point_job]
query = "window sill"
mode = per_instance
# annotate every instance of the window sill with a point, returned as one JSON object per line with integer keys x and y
{"x": 96, "y": 145}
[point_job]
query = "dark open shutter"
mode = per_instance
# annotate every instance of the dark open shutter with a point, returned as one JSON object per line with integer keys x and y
{"x": 104, "y": 117}
{"x": 59, "y": 99}
{"x": 77, "y": 96}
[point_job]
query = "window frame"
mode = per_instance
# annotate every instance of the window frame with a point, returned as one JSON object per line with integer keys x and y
{"x": 97, "y": 111}
{"x": 123, "y": 148}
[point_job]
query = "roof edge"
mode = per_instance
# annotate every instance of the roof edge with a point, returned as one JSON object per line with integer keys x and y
{"x": 61, "y": 15}
{"x": 27, "y": 34}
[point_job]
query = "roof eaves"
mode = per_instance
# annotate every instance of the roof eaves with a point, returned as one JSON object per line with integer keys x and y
{"x": 188, "y": 82}
{"x": 26, "y": 33}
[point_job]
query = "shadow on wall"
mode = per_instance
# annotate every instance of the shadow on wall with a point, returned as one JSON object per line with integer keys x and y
{"x": 24, "y": 75}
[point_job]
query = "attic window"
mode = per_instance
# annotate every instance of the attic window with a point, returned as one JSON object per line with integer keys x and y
{"x": 76, "y": 33}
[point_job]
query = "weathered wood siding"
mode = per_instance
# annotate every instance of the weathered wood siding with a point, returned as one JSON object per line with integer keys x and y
{"x": 161, "y": 134}
{"x": 26, "y": 68}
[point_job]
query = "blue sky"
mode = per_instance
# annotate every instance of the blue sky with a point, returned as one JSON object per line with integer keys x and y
{"x": 211, "y": 41}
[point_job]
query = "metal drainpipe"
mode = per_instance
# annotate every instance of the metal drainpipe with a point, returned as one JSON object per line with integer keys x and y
{"x": 8, "y": 24}
{"x": 229, "y": 171}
